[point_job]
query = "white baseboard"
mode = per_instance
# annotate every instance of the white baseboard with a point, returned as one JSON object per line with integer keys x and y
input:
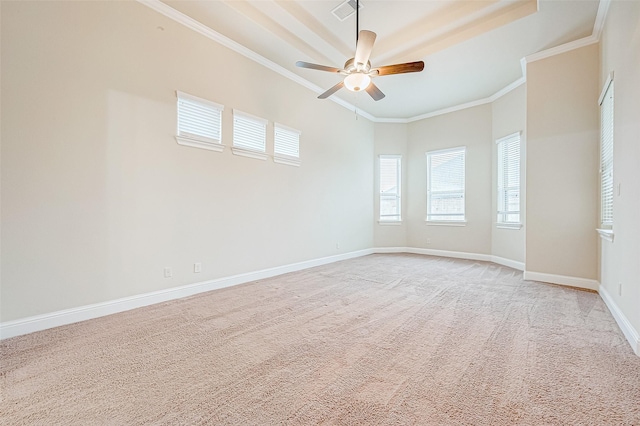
{"x": 627, "y": 329}
{"x": 585, "y": 283}
{"x": 455, "y": 254}
{"x": 508, "y": 262}
{"x": 383, "y": 250}
{"x": 68, "y": 316}
{"x": 431, "y": 252}
{"x": 447, "y": 253}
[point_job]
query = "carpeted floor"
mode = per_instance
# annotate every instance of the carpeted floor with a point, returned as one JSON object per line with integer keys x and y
{"x": 377, "y": 340}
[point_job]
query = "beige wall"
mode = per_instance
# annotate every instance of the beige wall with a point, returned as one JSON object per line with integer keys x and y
{"x": 562, "y": 164}
{"x": 390, "y": 139}
{"x": 620, "y": 260}
{"x": 97, "y": 196}
{"x": 470, "y": 127}
{"x": 509, "y": 116}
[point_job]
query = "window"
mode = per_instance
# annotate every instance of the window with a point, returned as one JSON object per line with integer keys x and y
{"x": 606, "y": 155}
{"x": 286, "y": 145}
{"x": 445, "y": 185}
{"x": 199, "y": 122}
{"x": 249, "y": 135}
{"x": 390, "y": 188}
{"x": 509, "y": 180}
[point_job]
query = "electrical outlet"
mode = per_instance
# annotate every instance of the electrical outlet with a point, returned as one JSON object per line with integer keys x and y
{"x": 619, "y": 289}
{"x": 337, "y": 246}
{"x": 428, "y": 240}
{"x": 197, "y": 268}
{"x": 168, "y": 273}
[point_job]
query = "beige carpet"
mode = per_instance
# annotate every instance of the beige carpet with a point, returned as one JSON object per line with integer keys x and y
{"x": 378, "y": 340}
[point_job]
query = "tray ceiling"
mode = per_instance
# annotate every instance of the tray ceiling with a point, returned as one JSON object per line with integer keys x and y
{"x": 471, "y": 49}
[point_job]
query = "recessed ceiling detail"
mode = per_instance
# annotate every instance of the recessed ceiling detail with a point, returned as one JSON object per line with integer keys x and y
{"x": 471, "y": 48}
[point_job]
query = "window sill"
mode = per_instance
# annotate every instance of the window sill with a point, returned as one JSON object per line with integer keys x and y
{"x": 605, "y": 234}
{"x": 509, "y": 225}
{"x": 446, "y": 223}
{"x": 249, "y": 153}
{"x": 194, "y": 143}
{"x": 290, "y": 161}
{"x": 390, "y": 222}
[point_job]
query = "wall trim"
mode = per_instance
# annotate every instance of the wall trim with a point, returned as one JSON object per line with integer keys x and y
{"x": 35, "y": 323}
{"x": 596, "y": 33}
{"x": 563, "y": 48}
{"x": 627, "y": 329}
{"x": 202, "y": 29}
{"x": 500, "y": 93}
{"x": 69, "y": 316}
{"x": 455, "y": 254}
{"x": 508, "y": 262}
{"x": 601, "y": 17}
{"x": 578, "y": 282}
{"x": 206, "y": 31}
{"x": 432, "y": 252}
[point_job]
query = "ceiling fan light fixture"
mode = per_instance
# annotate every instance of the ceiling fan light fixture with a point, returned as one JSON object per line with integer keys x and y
{"x": 358, "y": 70}
{"x": 357, "y": 81}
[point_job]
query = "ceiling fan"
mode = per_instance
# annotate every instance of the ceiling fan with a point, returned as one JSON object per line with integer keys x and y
{"x": 357, "y": 70}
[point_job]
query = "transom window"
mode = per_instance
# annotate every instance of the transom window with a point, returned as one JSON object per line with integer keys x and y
{"x": 249, "y": 135}
{"x": 199, "y": 122}
{"x": 286, "y": 145}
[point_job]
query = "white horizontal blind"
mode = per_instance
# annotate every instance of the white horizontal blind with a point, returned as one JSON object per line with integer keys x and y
{"x": 249, "y": 132}
{"x": 446, "y": 185}
{"x": 286, "y": 141}
{"x": 606, "y": 156}
{"x": 509, "y": 179}
{"x": 199, "y": 119}
{"x": 390, "y": 187}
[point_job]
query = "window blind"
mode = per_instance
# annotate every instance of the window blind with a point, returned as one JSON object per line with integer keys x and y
{"x": 606, "y": 156}
{"x": 390, "y": 191}
{"x": 509, "y": 179}
{"x": 199, "y": 119}
{"x": 286, "y": 141}
{"x": 446, "y": 185}
{"x": 249, "y": 132}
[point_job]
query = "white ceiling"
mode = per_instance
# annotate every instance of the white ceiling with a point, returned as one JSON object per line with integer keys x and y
{"x": 471, "y": 48}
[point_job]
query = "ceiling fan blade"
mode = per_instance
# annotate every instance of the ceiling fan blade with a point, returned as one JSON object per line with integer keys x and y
{"x": 364, "y": 46}
{"x": 331, "y": 91}
{"x": 374, "y": 92}
{"x": 309, "y": 65}
{"x": 400, "y": 68}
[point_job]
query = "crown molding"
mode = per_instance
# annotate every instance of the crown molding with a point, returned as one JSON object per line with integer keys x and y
{"x": 601, "y": 17}
{"x": 202, "y": 29}
{"x": 449, "y": 110}
{"x": 500, "y": 93}
{"x": 596, "y": 33}
{"x": 563, "y": 48}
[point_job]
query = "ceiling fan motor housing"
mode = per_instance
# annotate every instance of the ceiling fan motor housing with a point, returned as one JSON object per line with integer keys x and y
{"x": 350, "y": 66}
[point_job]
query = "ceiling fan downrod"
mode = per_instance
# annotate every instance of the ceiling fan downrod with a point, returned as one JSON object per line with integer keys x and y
{"x": 357, "y": 70}
{"x": 357, "y": 20}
